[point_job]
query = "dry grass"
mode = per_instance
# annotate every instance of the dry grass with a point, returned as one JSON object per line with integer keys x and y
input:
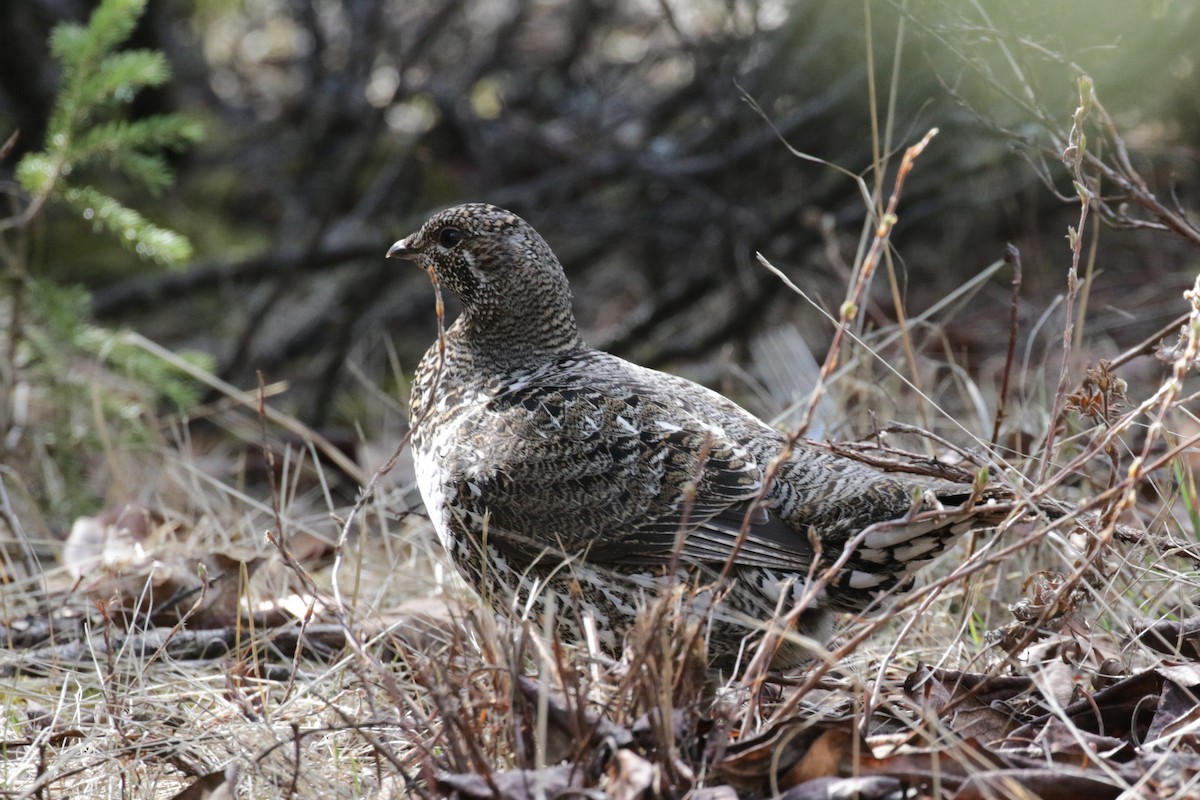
{"x": 408, "y": 678}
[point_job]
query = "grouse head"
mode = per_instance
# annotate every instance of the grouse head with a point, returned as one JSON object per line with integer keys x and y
{"x": 512, "y": 288}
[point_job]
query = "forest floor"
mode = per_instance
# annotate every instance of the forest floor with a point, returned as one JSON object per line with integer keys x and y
{"x": 256, "y": 630}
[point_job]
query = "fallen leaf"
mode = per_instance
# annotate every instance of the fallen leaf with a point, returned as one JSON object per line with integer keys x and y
{"x": 517, "y": 784}
{"x": 631, "y": 777}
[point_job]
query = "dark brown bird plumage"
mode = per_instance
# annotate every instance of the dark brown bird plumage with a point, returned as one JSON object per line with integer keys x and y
{"x": 548, "y": 467}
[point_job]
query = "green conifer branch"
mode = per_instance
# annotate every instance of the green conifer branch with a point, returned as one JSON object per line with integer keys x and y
{"x": 131, "y": 228}
{"x": 82, "y": 132}
{"x": 118, "y": 77}
{"x": 47, "y": 331}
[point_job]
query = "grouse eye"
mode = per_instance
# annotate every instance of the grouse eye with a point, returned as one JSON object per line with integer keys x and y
{"x": 449, "y": 237}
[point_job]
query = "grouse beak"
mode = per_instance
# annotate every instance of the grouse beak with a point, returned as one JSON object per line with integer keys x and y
{"x": 402, "y": 250}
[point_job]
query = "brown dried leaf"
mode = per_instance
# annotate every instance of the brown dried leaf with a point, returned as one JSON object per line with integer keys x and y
{"x": 119, "y": 561}
{"x": 924, "y": 687}
{"x": 831, "y": 754}
{"x": 946, "y": 766}
{"x": 219, "y": 785}
{"x": 873, "y": 788}
{"x": 984, "y": 688}
{"x": 1045, "y": 784}
{"x": 1047, "y": 609}
{"x": 974, "y": 706}
{"x": 1179, "y": 638}
{"x": 714, "y": 793}
{"x": 1123, "y": 709}
{"x": 1100, "y": 393}
{"x": 517, "y": 784}
{"x": 1178, "y": 710}
{"x": 783, "y": 747}
{"x": 113, "y": 540}
{"x": 631, "y": 777}
{"x": 1069, "y": 745}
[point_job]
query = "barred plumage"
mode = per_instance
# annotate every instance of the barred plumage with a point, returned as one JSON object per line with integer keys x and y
{"x": 547, "y": 466}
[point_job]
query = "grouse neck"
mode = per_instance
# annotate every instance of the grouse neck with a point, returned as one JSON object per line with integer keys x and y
{"x": 515, "y": 339}
{"x": 517, "y": 308}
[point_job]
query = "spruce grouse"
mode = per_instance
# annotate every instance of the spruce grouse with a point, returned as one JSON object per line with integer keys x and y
{"x": 548, "y": 467}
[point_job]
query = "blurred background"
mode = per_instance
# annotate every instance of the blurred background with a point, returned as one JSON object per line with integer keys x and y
{"x": 645, "y": 139}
